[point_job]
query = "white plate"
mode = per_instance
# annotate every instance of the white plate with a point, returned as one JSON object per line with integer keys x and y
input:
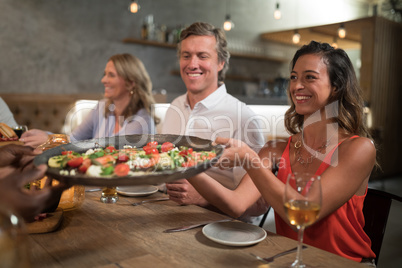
{"x": 137, "y": 190}
{"x": 234, "y": 233}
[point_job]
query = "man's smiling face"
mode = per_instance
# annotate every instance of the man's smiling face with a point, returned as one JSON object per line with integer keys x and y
{"x": 199, "y": 66}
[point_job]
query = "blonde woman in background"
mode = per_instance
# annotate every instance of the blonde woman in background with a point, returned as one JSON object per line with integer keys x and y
{"x": 126, "y": 109}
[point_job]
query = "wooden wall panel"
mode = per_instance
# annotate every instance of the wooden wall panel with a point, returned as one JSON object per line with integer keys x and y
{"x": 385, "y": 96}
{"x": 367, "y": 52}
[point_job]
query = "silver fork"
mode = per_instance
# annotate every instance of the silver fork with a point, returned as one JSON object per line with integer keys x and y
{"x": 271, "y": 259}
{"x": 150, "y": 201}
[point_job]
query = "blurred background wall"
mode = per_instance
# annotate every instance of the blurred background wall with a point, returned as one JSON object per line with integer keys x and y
{"x": 62, "y": 46}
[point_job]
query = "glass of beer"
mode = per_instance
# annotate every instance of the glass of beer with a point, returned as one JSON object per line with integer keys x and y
{"x": 109, "y": 195}
{"x": 302, "y": 201}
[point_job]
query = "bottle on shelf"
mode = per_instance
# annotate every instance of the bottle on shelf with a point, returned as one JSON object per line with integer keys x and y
{"x": 172, "y": 36}
{"x": 144, "y": 31}
{"x": 148, "y": 28}
{"x": 161, "y": 34}
{"x": 151, "y": 27}
{"x": 179, "y": 29}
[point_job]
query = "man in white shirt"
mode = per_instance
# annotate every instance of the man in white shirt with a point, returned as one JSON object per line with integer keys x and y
{"x": 207, "y": 110}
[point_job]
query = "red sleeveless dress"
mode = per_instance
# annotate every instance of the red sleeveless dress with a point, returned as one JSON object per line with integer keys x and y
{"x": 340, "y": 232}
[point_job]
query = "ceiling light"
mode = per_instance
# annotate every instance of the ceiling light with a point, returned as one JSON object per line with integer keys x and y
{"x": 296, "y": 37}
{"x": 342, "y": 31}
{"x": 277, "y": 12}
{"x": 334, "y": 43}
{"x": 134, "y": 6}
{"x": 228, "y": 24}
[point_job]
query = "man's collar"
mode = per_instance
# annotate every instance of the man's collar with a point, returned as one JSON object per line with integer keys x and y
{"x": 213, "y": 99}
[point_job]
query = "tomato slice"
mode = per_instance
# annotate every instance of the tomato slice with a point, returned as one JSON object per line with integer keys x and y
{"x": 152, "y": 144}
{"x": 121, "y": 169}
{"x": 66, "y": 152}
{"x": 186, "y": 152}
{"x": 85, "y": 165}
{"x": 122, "y": 157}
{"x": 75, "y": 162}
{"x": 167, "y": 146}
{"x": 110, "y": 149}
{"x": 149, "y": 150}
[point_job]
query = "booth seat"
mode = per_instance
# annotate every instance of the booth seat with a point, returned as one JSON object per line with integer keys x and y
{"x": 272, "y": 120}
{"x": 48, "y": 111}
{"x": 61, "y": 113}
{"x": 82, "y": 107}
{"x": 271, "y": 117}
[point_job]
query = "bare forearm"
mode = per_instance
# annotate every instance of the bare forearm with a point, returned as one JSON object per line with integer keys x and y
{"x": 270, "y": 187}
{"x": 228, "y": 201}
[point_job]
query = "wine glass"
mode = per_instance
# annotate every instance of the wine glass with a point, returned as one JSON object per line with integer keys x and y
{"x": 302, "y": 201}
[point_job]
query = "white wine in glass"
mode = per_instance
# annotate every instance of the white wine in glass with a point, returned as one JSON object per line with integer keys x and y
{"x": 302, "y": 201}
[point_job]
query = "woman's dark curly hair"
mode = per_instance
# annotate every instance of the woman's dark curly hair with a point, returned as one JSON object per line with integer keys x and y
{"x": 346, "y": 91}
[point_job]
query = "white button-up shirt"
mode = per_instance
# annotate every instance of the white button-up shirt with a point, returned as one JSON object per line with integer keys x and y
{"x": 218, "y": 115}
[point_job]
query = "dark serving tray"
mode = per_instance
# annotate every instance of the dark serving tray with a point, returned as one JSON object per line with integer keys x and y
{"x": 151, "y": 178}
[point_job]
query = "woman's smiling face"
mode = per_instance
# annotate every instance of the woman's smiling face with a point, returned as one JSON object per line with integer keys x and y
{"x": 310, "y": 86}
{"x": 115, "y": 86}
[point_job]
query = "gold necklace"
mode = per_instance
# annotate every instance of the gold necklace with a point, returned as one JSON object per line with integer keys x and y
{"x": 308, "y": 160}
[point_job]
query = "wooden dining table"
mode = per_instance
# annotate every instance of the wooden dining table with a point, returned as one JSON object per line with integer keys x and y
{"x": 122, "y": 235}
